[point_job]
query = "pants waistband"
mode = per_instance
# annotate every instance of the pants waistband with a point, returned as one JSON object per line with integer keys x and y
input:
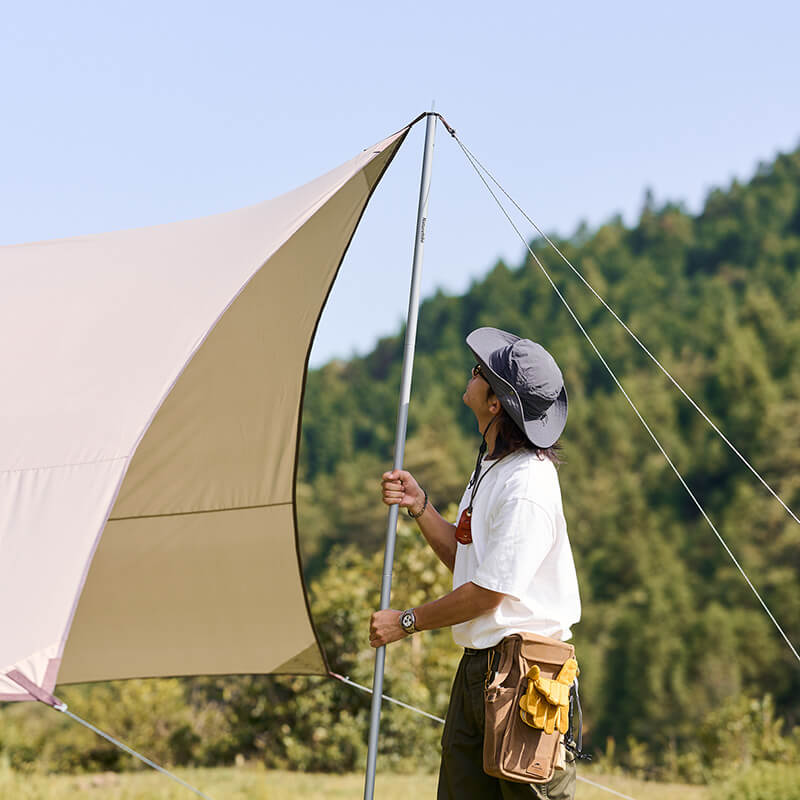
{"x": 471, "y": 651}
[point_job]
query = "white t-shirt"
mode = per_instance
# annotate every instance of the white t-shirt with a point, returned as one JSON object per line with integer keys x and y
{"x": 520, "y": 548}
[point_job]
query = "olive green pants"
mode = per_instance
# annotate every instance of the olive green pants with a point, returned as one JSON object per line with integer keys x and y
{"x": 461, "y": 776}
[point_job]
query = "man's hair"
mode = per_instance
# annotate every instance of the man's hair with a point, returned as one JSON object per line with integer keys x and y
{"x": 510, "y": 438}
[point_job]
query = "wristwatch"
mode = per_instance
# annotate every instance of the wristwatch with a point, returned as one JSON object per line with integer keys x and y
{"x": 408, "y": 621}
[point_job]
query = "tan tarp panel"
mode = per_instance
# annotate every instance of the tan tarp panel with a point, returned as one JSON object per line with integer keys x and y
{"x": 149, "y": 421}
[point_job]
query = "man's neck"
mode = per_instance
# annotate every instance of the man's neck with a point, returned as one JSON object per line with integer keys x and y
{"x": 490, "y": 435}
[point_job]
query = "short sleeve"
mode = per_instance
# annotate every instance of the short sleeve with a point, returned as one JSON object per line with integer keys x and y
{"x": 519, "y": 537}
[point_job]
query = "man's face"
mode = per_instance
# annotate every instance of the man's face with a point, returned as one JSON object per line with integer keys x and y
{"x": 475, "y": 395}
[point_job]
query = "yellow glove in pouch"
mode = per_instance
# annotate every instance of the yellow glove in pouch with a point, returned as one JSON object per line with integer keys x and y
{"x": 545, "y": 704}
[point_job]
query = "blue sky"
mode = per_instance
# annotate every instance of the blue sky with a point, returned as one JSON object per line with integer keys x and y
{"x": 117, "y": 115}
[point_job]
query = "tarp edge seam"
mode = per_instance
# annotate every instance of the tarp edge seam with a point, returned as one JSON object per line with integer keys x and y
{"x": 200, "y": 511}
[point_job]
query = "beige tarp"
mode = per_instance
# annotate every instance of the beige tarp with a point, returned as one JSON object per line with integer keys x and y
{"x": 150, "y": 403}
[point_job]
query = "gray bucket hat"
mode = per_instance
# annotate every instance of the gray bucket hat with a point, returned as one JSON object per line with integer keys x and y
{"x": 526, "y": 380}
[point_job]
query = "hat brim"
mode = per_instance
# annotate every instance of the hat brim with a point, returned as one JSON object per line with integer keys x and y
{"x": 543, "y": 432}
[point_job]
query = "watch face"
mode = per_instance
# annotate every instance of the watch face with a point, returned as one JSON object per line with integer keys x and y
{"x": 407, "y": 620}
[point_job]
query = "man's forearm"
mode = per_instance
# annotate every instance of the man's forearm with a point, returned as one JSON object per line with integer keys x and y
{"x": 460, "y": 605}
{"x": 440, "y": 535}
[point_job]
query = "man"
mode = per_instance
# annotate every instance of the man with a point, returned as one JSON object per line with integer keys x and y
{"x": 509, "y": 553}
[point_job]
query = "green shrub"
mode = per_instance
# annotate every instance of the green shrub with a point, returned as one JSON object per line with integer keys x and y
{"x": 745, "y": 731}
{"x": 152, "y": 716}
{"x": 762, "y": 782}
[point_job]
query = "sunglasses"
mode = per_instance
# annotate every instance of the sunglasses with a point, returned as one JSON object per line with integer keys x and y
{"x": 476, "y": 371}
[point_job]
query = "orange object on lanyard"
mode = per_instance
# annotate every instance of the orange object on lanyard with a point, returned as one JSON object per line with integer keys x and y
{"x": 464, "y": 527}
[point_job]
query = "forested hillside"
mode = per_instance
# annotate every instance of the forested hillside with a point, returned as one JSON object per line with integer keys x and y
{"x": 670, "y": 630}
{"x": 682, "y": 673}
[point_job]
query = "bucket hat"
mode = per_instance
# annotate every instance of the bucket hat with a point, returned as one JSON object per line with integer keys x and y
{"x": 526, "y": 380}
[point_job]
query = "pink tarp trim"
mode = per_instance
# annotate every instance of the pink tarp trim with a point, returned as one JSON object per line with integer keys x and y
{"x": 34, "y": 692}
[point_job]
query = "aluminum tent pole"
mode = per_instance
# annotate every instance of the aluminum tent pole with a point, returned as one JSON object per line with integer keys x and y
{"x": 400, "y": 444}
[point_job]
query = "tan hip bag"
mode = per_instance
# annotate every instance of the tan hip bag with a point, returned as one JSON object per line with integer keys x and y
{"x": 512, "y": 749}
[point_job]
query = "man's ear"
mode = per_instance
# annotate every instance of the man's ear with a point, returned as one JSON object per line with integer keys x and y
{"x": 494, "y": 405}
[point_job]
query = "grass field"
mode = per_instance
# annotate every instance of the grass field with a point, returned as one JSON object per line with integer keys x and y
{"x": 254, "y": 784}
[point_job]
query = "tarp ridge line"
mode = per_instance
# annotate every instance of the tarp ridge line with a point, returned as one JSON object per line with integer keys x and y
{"x": 633, "y": 406}
{"x": 199, "y": 511}
{"x": 64, "y": 466}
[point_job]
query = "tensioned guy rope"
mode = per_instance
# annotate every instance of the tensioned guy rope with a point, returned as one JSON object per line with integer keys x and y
{"x": 613, "y": 313}
{"x": 64, "y": 710}
{"x": 48, "y": 699}
{"x": 480, "y": 169}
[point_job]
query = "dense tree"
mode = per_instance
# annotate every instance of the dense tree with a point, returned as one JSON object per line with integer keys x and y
{"x": 670, "y": 629}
